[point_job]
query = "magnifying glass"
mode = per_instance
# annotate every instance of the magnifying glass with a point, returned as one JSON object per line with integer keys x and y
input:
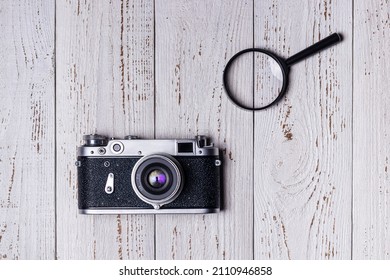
{"x": 269, "y": 74}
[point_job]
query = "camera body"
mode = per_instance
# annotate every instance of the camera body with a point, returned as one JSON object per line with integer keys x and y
{"x": 148, "y": 176}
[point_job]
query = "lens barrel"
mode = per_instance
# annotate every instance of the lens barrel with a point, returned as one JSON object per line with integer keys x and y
{"x": 157, "y": 179}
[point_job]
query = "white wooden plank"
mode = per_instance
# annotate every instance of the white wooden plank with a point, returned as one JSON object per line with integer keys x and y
{"x": 303, "y": 152}
{"x": 105, "y": 84}
{"x": 194, "y": 40}
{"x": 27, "y": 223}
{"x": 371, "y": 193}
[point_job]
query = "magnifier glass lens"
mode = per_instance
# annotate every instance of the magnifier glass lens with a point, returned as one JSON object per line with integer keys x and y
{"x": 255, "y": 79}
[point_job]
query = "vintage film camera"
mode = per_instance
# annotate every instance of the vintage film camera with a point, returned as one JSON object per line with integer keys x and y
{"x": 148, "y": 176}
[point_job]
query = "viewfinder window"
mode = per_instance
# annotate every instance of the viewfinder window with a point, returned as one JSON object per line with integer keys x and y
{"x": 185, "y": 147}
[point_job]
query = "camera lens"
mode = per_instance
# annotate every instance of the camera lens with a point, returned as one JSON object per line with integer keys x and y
{"x": 157, "y": 179}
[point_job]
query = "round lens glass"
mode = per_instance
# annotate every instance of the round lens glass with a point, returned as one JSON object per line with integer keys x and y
{"x": 255, "y": 79}
{"x": 157, "y": 178}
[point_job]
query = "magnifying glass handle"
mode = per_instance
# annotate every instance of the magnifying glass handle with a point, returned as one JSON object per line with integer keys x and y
{"x": 319, "y": 46}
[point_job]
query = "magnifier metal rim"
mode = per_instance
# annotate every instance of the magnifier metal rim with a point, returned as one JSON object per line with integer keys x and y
{"x": 282, "y": 65}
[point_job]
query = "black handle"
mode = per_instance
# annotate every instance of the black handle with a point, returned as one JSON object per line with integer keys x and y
{"x": 323, "y": 44}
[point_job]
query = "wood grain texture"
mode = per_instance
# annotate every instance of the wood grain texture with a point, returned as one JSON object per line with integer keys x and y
{"x": 303, "y": 152}
{"x": 105, "y": 84}
{"x": 296, "y": 185}
{"x": 27, "y": 162}
{"x": 371, "y": 194}
{"x": 194, "y": 40}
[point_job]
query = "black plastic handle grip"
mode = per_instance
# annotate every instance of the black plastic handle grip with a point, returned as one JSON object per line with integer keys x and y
{"x": 319, "y": 46}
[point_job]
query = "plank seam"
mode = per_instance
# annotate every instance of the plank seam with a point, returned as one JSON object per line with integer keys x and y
{"x": 253, "y": 131}
{"x": 353, "y": 149}
{"x": 55, "y": 131}
{"x": 154, "y": 113}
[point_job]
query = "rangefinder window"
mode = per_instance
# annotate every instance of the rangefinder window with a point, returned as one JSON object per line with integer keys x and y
{"x": 185, "y": 147}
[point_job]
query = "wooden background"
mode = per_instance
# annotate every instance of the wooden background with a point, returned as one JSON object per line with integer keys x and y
{"x": 306, "y": 179}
